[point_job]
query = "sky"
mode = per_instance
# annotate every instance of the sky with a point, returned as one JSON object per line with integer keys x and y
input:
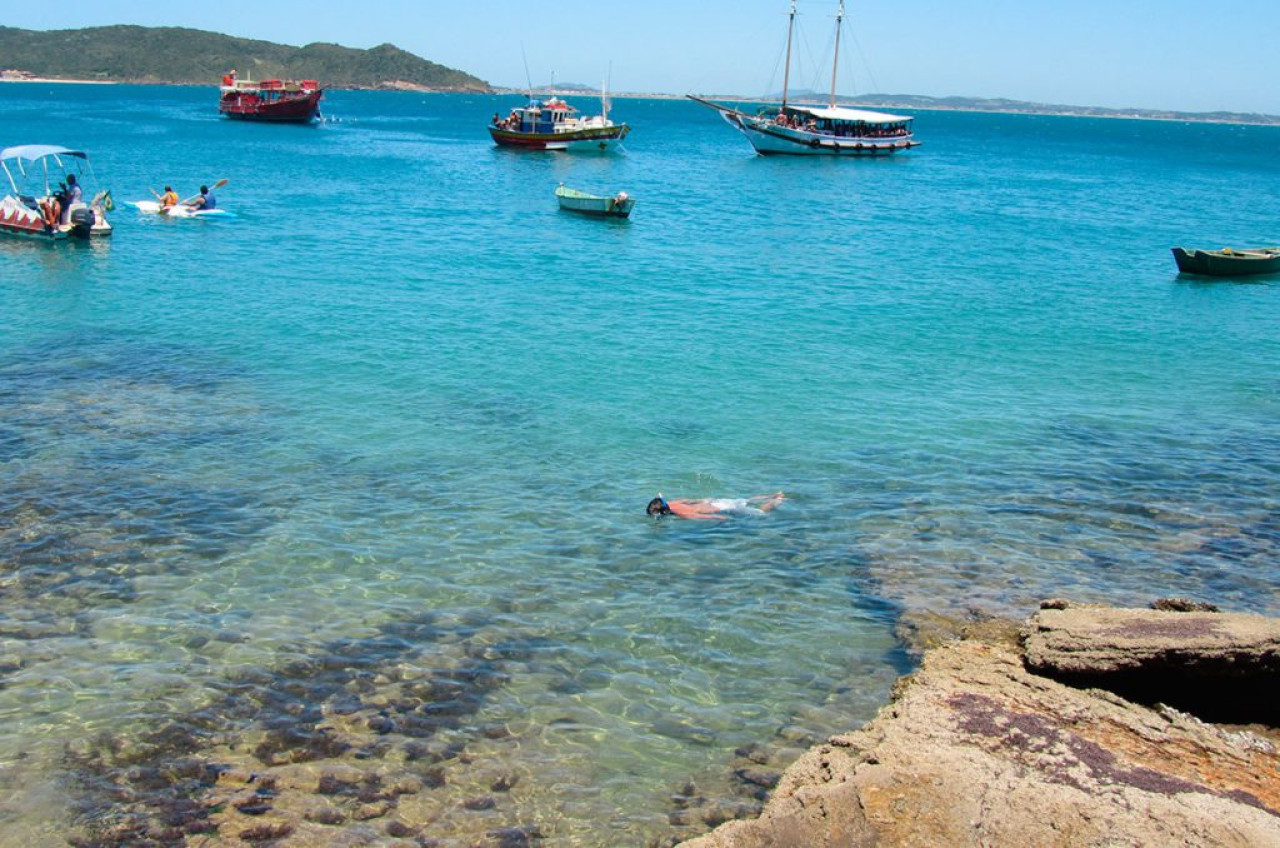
{"x": 1187, "y": 55}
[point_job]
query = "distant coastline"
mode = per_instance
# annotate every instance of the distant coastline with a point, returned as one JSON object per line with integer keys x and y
{"x": 389, "y": 85}
{"x": 915, "y": 102}
{"x": 900, "y": 102}
{"x": 126, "y": 54}
{"x": 58, "y": 81}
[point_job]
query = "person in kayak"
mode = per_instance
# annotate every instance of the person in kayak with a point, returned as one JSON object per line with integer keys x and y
{"x": 714, "y": 509}
{"x": 206, "y": 201}
{"x": 169, "y": 198}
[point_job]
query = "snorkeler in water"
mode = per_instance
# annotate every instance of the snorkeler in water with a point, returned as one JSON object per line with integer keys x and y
{"x": 714, "y": 509}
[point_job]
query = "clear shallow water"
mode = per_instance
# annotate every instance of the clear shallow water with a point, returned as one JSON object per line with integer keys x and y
{"x": 378, "y": 449}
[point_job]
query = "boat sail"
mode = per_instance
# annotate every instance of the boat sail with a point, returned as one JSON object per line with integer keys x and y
{"x": 821, "y": 130}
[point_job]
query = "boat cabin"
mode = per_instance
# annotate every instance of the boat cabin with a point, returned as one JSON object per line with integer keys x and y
{"x": 539, "y": 116}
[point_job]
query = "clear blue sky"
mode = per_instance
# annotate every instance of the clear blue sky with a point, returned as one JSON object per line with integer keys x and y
{"x": 1175, "y": 54}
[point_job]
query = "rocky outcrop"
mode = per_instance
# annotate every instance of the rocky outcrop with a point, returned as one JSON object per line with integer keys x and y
{"x": 978, "y": 749}
{"x": 1219, "y": 667}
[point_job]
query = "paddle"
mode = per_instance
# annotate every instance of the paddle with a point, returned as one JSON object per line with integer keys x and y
{"x": 218, "y": 184}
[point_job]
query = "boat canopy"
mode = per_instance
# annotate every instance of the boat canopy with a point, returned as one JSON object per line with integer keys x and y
{"x": 19, "y": 159}
{"x": 36, "y": 152}
{"x": 839, "y": 113}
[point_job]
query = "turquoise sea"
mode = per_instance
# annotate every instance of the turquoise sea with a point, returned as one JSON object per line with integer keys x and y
{"x": 329, "y": 518}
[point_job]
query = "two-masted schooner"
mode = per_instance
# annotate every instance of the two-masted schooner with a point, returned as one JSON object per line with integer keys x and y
{"x": 822, "y": 130}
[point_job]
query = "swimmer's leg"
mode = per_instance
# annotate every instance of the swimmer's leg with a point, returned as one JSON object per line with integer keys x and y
{"x": 769, "y": 502}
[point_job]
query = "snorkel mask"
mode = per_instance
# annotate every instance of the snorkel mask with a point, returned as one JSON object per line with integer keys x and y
{"x": 663, "y": 507}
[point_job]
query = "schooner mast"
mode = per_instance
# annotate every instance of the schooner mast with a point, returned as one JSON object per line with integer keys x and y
{"x": 835, "y": 63}
{"x": 786, "y": 76}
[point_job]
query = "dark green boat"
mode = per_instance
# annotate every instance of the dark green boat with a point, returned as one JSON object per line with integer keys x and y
{"x": 1228, "y": 262}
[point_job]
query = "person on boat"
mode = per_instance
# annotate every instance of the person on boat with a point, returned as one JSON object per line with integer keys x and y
{"x": 206, "y": 201}
{"x": 169, "y": 198}
{"x": 714, "y": 509}
{"x": 69, "y": 196}
{"x": 51, "y": 211}
{"x": 72, "y": 194}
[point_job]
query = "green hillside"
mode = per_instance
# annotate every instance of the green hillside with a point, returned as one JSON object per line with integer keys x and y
{"x": 192, "y": 56}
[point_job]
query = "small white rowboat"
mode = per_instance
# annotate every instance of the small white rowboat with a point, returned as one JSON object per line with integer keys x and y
{"x": 617, "y": 206}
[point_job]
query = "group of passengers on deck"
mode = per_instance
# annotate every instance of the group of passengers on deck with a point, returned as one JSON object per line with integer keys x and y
{"x": 511, "y": 122}
{"x": 839, "y": 129}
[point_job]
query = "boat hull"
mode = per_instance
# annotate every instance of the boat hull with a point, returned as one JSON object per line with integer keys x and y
{"x": 41, "y": 234}
{"x": 596, "y": 139}
{"x": 770, "y": 140}
{"x": 18, "y": 220}
{"x": 301, "y": 109}
{"x": 1228, "y": 263}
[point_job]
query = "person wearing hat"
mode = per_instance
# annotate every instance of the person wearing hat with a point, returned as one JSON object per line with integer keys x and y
{"x": 714, "y": 509}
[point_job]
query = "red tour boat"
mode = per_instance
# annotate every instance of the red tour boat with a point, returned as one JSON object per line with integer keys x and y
{"x": 270, "y": 100}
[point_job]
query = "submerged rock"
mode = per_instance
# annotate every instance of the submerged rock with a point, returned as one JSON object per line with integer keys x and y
{"x": 1183, "y": 605}
{"x": 979, "y": 749}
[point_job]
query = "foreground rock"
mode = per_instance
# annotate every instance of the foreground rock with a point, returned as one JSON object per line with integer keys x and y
{"x": 978, "y": 750}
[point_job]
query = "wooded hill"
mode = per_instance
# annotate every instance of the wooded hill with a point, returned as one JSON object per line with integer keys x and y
{"x": 195, "y": 57}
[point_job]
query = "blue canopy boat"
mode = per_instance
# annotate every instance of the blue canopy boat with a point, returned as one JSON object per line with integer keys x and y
{"x": 35, "y": 209}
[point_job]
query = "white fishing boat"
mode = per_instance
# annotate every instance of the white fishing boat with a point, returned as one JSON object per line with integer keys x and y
{"x": 614, "y": 206}
{"x": 46, "y": 197}
{"x": 819, "y": 130}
